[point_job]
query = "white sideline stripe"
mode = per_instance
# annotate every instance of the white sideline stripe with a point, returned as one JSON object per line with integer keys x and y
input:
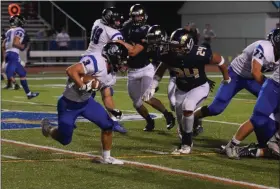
{"x": 155, "y": 152}
{"x": 149, "y": 166}
{"x": 10, "y": 157}
{"x": 132, "y": 111}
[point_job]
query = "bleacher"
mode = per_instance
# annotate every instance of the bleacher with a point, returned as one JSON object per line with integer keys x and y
{"x": 32, "y": 26}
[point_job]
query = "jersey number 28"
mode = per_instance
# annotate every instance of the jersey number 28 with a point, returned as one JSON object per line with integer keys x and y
{"x": 96, "y": 34}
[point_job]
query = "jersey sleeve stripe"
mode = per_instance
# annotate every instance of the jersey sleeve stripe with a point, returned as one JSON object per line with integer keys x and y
{"x": 260, "y": 47}
{"x": 116, "y": 34}
{"x": 94, "y": 63}
{"x": 20, "y": 30}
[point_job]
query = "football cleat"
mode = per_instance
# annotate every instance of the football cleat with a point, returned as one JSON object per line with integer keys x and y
{"x": 45, "y": 125}
{"x": 248, "y": 151}
{"x": 32, "y": 95}
{"x": 232, "y": 151}
{"x": 150, "y": 126}
{"x": 197, "y": 128}
{"x": 185, "y": 149}
{"x": 170, "y": 121}
{"x": 273, "y": 145}
{"x": 16, "y": 87}
{"x": 111, "y": 160}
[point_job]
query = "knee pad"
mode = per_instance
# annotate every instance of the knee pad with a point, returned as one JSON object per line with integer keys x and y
{"x": 137, "y": 104}
{"x": 187, "y": 123}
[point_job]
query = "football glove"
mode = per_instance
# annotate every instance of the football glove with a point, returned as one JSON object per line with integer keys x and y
{"x": 211, "y": 84}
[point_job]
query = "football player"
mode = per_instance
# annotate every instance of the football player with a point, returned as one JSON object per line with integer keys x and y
{"x": 12, "y": 45}
{"x": 188, "y": 62}
{"x": 245, "y": 73}
{"x": 77, "y": 100}
{"x": 141, "y": 71}
{"x": 103, "y": 31}
{"x": 266, "y": 55}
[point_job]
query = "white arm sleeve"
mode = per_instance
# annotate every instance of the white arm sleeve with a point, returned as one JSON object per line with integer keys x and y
{"x": 90, "y": 65}
{"x": 114, "y": 34}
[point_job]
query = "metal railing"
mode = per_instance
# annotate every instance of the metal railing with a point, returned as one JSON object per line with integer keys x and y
{"x": 46, "y": 44}
{"x": 58, "y": 18}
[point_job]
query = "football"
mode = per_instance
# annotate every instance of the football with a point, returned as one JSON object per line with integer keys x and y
{"x": 95, "y": 83}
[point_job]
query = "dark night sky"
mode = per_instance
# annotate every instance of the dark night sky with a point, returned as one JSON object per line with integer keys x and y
{"x": 163, "y": 13}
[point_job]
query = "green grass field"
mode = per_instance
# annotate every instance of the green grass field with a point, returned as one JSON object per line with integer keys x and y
{"x": 26, "y": 167}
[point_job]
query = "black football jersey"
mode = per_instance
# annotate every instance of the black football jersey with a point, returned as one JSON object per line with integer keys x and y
{"x": 134, "y": 35}
{"x": 189, "y": 70}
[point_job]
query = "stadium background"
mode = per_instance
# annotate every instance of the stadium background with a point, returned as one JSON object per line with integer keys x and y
{"x": 236, "y": 24}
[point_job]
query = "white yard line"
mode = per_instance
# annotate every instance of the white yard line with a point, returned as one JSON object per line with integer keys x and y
{"x": 10, "y": 157}
{"x": 155, "y": 152}
{"x": 207, "y": 177}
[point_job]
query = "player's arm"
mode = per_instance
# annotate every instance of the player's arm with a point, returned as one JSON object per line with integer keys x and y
{"x": 3, "y": 49}
{"x": 256, "y": 65}
{"x": 17, "y": 43}
{"x": 133, "y": 50}
{"x": 75, "y": 71}
{"x": 219, "y": 60}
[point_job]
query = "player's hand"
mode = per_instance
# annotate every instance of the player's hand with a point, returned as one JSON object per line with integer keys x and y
{"x": 226, "y": 81}
{"x": 149, "y": 94}
{"x": 87, "y": 87}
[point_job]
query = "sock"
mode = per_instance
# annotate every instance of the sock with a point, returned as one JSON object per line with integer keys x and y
{"x": 187, "y": 138}
{"x": 234, "y": 141}
{"x": 166, "y": 113}
{"x": 25, "y": 86}
{"x": 258, "y": 153}
{"x": 106, "y": 154}
{"x": 149, "y": 119}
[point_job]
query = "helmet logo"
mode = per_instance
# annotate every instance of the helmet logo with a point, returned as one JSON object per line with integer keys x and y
{"x": 184, "y": 39}
{"x": 277, "y": 38}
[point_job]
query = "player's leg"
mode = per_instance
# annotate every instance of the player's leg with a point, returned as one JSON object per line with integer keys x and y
{"x": 191, "y": 100}
{"x": 146, "y": 82}
{"x": 107, "y": 98}
{"x": 171, "y": 92}
{"x": 22, "y": 74}
{"x": 134, "y": 92}
{"x": 10, "y": 67}
{"x": 98, "y": 115}
{"x": 223, "y": 97}
{"x": 67, "y": 112}
{"x": 267, "y": 103}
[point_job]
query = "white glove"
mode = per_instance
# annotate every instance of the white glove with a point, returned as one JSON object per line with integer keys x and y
{"x": 86, "y": 87}
{"x": 150, "y": 91}
{"x": 226, "y": 81}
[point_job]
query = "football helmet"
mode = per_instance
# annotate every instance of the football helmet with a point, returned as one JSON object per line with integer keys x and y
{"x": 115, "y": 54}
{"x": 181, "y": 42}
{"x": 112, "y": 17}
{"x": 17, "y": 21}
{"x": 138, "y": 15}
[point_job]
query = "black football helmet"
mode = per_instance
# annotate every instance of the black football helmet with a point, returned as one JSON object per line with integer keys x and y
{"x": 138, "y": 15}
{"x": 275, "y": 40}
{"x": 112, "y": 17}
{"x": 181, "y": 42}
{"x": 156, "y": 35}
{"x": 116, "y": 55}
{"x": 17, "y": 21}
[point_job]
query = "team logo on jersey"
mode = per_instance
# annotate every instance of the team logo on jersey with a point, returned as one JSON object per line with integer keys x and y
{"x": 31, "y": 120}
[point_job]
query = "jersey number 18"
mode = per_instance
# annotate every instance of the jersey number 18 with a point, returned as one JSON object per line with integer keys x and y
{"x": 95, "y": 35}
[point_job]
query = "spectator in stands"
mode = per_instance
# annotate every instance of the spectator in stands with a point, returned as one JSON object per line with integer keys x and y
{"x": 62, "y": 40}
{"x": 278, "y": 25}
{"x": 208, "y": 35}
